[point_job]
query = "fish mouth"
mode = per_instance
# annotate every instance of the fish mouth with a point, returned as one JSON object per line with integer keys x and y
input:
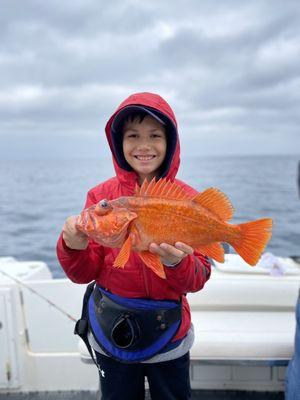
{"x": 93, "y": 220}
{"x": 108, "y": 230}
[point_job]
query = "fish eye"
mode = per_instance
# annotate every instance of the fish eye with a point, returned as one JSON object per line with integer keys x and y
{"x": 103, "y": 203}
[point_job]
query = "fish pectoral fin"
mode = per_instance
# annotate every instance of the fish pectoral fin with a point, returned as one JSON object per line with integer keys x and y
{"x": 212, "y": 250}
{"x": 153, "y": 262}
{"x": 216, "y": 202}
{"x": 124, "y": 254}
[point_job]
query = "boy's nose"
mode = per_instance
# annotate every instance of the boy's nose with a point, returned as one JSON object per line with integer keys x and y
{"x": 143, "y": 144}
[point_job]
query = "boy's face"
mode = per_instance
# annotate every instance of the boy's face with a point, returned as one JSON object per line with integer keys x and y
{"x": 144, "y": 146}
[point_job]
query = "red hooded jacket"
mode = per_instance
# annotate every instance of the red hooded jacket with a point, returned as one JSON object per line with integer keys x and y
{"x": 135, "y": 280}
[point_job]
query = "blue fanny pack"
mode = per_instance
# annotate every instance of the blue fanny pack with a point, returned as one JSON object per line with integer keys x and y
{"x": 132, "y": 330}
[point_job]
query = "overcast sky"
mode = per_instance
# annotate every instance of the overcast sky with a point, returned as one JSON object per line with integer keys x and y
{"x": 229, "y": 69}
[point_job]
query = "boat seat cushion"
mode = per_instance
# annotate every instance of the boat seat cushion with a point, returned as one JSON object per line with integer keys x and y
{"x": 250, "y": 318}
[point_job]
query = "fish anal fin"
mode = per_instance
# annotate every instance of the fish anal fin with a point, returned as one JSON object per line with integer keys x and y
{"x": 216, "y": 202}
{"x": 163, "y": 188}
{"x": 153, "y": 262}
{"x": 124, "y": 254}
{"x": 212, "y": 250}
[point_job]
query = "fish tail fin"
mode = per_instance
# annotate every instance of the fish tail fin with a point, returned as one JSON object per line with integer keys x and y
{"x": 253, "y": 239}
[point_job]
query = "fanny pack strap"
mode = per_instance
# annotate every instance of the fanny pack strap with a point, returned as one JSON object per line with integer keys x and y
{"x": 82, "y": 325}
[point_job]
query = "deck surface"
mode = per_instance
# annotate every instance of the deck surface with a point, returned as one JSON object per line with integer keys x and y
{"x": 197, "y": 395}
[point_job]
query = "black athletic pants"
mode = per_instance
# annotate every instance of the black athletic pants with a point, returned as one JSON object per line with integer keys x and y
{"x": 168, "y": 380}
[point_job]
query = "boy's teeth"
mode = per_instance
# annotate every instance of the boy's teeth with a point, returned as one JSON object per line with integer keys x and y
{"x": 144, "y": 158}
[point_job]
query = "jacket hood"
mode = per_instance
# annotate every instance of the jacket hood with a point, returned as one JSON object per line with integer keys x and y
{"x": 161, "y": 110}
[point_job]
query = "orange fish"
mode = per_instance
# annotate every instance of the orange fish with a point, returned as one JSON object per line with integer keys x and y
{"x": 163, "y": 212}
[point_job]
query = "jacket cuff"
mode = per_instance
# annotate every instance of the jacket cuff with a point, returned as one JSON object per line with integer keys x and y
{"x": 169, "y": 265}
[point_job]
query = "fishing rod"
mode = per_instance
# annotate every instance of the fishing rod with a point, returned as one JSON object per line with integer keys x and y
{"x": 39, "y": 295}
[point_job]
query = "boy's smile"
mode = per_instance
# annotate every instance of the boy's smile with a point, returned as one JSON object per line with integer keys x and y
{"x": 144, "y": 146}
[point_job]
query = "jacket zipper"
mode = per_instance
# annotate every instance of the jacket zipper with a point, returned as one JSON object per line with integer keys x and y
{"x": 146, "y": 282}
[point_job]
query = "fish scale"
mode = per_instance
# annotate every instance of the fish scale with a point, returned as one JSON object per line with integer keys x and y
{"x": 168, "y": 221}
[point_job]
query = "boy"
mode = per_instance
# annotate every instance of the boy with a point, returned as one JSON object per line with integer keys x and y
{"x": 142, "y": 135}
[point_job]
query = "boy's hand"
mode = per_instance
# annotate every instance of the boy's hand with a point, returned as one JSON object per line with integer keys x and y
{"x": 73, "y": 238}
{"x": 171, "y": 254}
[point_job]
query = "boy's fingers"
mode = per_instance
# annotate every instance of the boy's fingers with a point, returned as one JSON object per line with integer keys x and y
{"x": 73, "y": 238}
{"x": 71, "y": 223}
{"x": 171, "y": 250}
{"x": 154, "y": 248}
{"x": 166, "y": 250}
{"x": 184, "y": 247}
{"x": 70, "y": 227}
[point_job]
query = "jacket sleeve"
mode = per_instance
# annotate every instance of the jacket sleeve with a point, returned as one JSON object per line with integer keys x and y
{"x": 81, "y": 266}
{"x": 190, "y": 274}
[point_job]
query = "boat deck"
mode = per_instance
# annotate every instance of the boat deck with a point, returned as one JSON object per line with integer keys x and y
{"x": 197, "y": 394}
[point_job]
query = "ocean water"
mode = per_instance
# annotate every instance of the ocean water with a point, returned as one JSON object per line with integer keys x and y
{"x": 37, "y": 196}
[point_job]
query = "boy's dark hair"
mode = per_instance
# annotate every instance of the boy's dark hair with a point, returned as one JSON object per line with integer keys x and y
{"x": 130, "y": 113}
{"x": 139, "y": 115}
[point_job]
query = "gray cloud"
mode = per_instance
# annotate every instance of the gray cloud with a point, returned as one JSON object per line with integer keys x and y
{"x": 230, "y": 70}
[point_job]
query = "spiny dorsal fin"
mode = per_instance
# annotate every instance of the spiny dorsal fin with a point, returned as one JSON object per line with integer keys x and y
{"x": 136, "y": 189}
{"x": 162, "y": 188}
{"x": 144, "y": 185}
{"x": 216, "y": 202}
{"x": 150, "y": 186}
